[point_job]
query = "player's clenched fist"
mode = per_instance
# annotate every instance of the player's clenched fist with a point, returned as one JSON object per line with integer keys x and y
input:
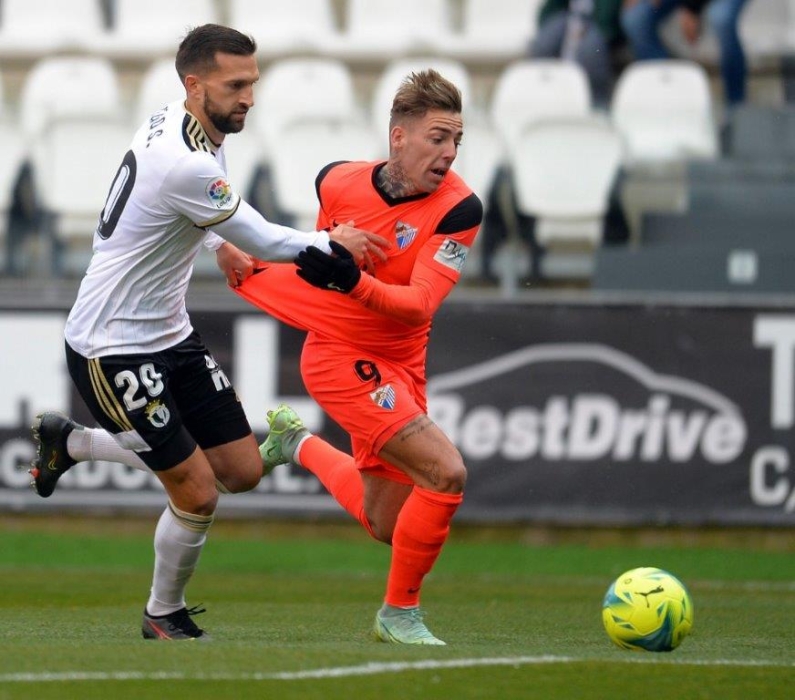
{"x": 337, "y": 272}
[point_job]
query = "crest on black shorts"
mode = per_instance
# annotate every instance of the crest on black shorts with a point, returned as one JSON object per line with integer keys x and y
{"x": 157, "y": 413}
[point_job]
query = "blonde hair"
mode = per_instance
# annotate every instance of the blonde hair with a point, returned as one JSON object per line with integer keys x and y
{"x": 422, "y": 92}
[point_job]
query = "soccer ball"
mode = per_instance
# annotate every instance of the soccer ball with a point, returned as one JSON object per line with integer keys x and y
{"x": 647, "y": 609}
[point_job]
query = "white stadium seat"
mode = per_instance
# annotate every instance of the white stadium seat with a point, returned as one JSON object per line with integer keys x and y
{"x": 146, "y": 29}
{"x": 33, "y": 28}
{"x": 791, "y": 24}
{"x": 479, "y": 157}
{"x": 74, "y": 162}
{"x": 495, "y": 30}
{"x": 159, "y": 86}
{"x": 303, "y": 148}
{"x": 664, "y": 112}
{"x": 767, "y": 28}
{"x": 532, "y": 89}
{"x": 281, "y": 28}
{"x": 525, "y": 92}
{"x": 68, "y": 85}
{"x": 244, "y": 155}
{"x": 301, "y": 87}
{"x": 564, "y": 170}
{"x": 384, "y": 29}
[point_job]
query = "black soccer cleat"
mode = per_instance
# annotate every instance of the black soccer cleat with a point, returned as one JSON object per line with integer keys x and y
{"x": 176, "y": 626}
{"x": 50, "y": 431}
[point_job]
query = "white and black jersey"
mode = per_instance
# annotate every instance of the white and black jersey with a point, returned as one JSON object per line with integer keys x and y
{"x": 170, "y": 190}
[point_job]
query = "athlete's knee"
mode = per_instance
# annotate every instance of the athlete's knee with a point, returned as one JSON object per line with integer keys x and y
{"x": 238, "y": 485}
{"x": 198, "y": 501}
{"x": 380, "y": 531}
{"x": 241, "y": 480}
{"x": 197, "y": 495}
{"x": 452, "y": 476}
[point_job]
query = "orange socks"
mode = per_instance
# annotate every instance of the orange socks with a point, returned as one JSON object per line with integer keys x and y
{"x": 422, "y": 525}
{"x": 338, "y": 473}
{"x": 420, "y": 532}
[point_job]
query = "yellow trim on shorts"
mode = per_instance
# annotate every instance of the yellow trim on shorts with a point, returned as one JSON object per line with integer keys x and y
{"x": 105, "y": 397}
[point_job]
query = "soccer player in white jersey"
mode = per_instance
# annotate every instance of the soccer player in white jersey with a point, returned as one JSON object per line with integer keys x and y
{"x": 132, "y": 352}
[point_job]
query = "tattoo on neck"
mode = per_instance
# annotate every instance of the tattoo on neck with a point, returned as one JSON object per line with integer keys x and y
{"x": 393, "y": 181}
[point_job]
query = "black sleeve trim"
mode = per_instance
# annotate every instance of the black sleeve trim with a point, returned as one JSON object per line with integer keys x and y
{"x": 322, "y": 175}
{"x": 467, "y": 214}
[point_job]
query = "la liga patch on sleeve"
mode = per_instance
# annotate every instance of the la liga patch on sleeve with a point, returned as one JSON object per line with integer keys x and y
{"x": 219, "y": 192}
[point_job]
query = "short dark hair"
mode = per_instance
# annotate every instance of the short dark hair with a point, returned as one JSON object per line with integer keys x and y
{"x": 423, "y": 91}
{"x": 196, "y": 53}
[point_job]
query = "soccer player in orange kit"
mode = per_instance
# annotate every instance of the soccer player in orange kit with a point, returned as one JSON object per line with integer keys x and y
{"x": 363, "y": 359}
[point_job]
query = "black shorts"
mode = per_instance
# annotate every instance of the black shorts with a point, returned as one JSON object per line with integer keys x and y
{"x": 162, "y": 404}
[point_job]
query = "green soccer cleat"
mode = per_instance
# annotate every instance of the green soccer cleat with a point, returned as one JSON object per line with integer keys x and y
{"x": 286, "y": 432}
{"x": 403, "y": 626}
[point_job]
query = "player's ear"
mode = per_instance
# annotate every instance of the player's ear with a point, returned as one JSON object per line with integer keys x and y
{"x": 192, "y": 85}
{"x": 397, "y": 136}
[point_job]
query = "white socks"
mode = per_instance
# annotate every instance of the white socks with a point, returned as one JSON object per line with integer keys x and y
{"x": 297, "y": 452}
{"x": 179, "y": 539}
{"x": 179, "y": 536}
{"x": 96, "y": 443}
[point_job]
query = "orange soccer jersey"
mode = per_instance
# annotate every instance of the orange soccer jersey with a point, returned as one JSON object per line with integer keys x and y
{"x": 364, "y": 357}
{"x": 389, "y": 312}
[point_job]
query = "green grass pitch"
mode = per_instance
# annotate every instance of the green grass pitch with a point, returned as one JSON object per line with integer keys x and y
{"x": 290, "y": 607}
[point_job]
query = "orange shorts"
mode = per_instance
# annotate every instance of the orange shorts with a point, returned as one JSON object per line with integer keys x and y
{"x": 371, "y": 398}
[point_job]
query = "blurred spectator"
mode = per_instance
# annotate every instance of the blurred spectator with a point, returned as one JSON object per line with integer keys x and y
{"x": 641, "y": 21}
{"x": 588, "y": 32}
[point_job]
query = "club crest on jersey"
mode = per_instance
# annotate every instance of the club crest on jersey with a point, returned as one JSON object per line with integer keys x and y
{"x": 405, "y": 234}
{"x": 157, "y": 413}
{"x": 219, "y": 192}
{"x": 384, "y": 396}
{"x": 452, "y": 254}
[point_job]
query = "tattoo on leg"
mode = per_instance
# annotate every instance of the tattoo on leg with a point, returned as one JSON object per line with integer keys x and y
{"x": 431, "y": 472}
{"x": 417, "y": 426}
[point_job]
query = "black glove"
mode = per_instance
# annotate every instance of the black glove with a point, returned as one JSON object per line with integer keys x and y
{"x": 337, "y": 271}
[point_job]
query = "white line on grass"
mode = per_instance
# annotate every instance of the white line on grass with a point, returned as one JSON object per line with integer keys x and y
{"x": 371, "y": 669}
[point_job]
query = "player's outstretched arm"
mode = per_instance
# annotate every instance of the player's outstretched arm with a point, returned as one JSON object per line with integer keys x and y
{"x": 413, "y": 304}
